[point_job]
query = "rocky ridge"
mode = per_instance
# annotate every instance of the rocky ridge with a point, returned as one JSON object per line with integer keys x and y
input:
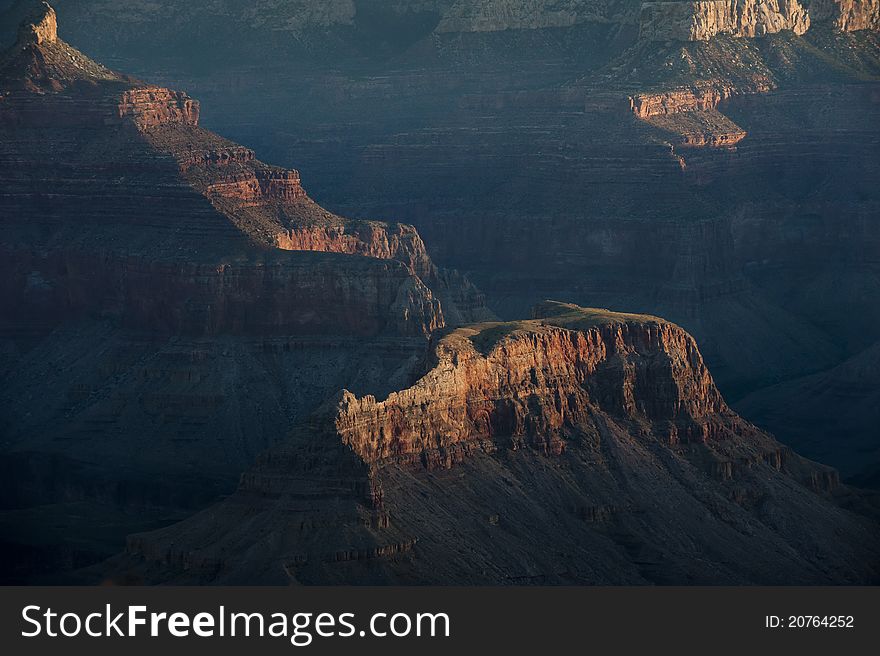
{"x": 170, "y": 270}
{"x": 264, "y": 206}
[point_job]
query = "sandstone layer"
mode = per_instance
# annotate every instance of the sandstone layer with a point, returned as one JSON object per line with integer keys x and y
{"x": 706, "y": 19}
{"x": 536, "y": 381}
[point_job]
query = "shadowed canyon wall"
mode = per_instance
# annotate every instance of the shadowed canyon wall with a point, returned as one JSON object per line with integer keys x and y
{"x": 165, "y": 315}
{"x": 711, "y": 163}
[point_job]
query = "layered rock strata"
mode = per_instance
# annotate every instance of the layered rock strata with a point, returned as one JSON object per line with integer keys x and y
{"x": 536, "y": 382}
{"x": 150, "y": 107}
{"x": 251, "y": 210}
{"x": 581, "y": 446}
{"x": 130, "y": 231}
{"x": 703, "y": 20}
{"x": 696, "y": 98}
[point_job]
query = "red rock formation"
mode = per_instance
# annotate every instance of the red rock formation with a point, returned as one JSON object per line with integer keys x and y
{"x": 259, "y": 186}
{"x": 370, "y": 239}
{"x": 41, "y": 28}
{"x": 249, "y": 212}
{"x": 539, "y": 382}
{"x": 626, "y": 441}
{"x": 690, "y": 115}
{"x": 697, "y": 98}
{"x": 702, "y": 20}
{"x": 149, "y": 107}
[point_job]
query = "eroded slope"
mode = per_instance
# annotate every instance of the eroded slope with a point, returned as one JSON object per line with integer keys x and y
{"x": 582, "y": 446}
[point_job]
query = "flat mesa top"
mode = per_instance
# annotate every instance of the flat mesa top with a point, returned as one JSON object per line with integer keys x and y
{"x": 547, "y": 315}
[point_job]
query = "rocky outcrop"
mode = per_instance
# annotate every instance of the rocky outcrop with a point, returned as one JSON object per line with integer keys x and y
{"x": 259, "y": 186}
{"x": 690, "y": 115}
{"x": 705, "y": 19}
{"x": 709, "y": 129}
{"x": 149, "y": 107}
{"x": 847, "y": 15}
{"x": 42, "y": 63}
{"x": 536, "y": 382}
{"x": 40, "y": 27}
{"x": 696, "y": 98}
{"x": 368, "y": 238}
{"x": 145, "y": 108}
{"x": 38, "y": 61}
{"x": 579, "y": 427}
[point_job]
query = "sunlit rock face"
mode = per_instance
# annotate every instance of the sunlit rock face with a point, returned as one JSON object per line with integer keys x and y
{"x": 703, "y": 20}
{"x": 171, "y": 270}
{"x": 847, "y": 15}
{"x": 582, "y": 437}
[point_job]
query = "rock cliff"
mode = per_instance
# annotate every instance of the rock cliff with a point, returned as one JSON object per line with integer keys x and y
{"x": 129, "y": 229}
{"x": 581, "y": 446}
{"x": 537, "y": 381}
{"x": 650, "y": 105}
{"x": 40, "y": 27}
{"x": 705, "y": 19}
{"x": 258, "y": 211}
{"x": 150, "y": 107}
{"x": 847, "y": 15}
{"x": 516, "y": 155}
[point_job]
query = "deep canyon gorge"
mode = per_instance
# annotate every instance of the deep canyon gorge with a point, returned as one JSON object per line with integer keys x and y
{"x": 318, "y": 348}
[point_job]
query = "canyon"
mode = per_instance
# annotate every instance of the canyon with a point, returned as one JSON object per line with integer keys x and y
{"x": 154, "y": 272}
{"x": 553, "y": 149}
{"x": 177, "y": 311}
